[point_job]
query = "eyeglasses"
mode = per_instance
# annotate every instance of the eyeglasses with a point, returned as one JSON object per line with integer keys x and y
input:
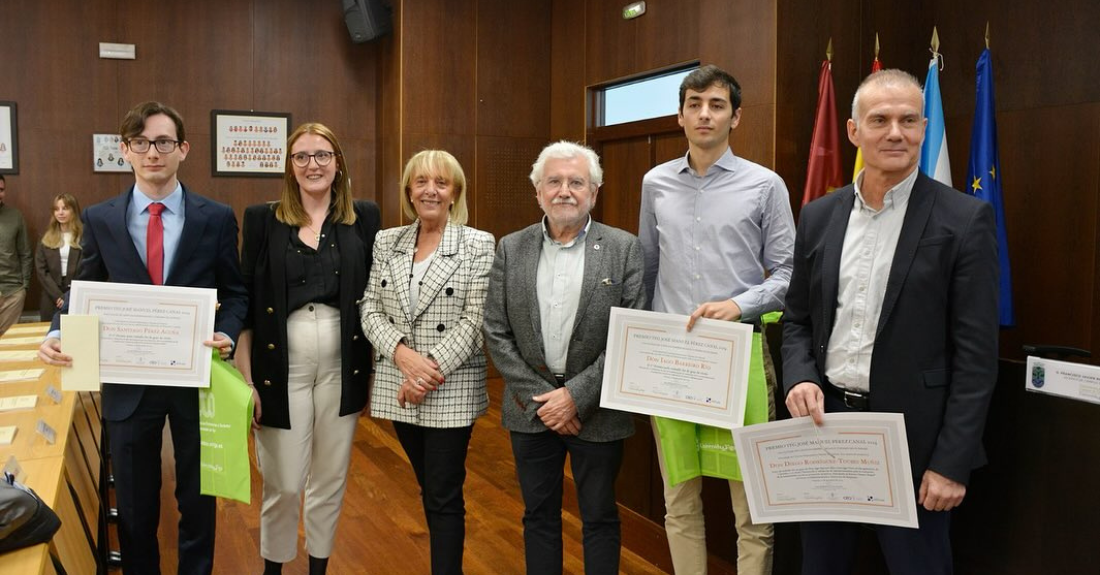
{"x": 141, "y": 145}
{"x": 576, "y": 185}
{"x": 323, "y": 158}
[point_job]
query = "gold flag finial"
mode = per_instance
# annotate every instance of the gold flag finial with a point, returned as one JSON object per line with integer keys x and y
{"x": 935, "y": 41}
{"x": 876, "y": 45}
{"x": 829, "y": 51}
{"x": 987, "y": 34}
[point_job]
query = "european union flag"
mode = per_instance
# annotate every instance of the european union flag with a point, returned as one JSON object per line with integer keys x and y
{"x": 983, "y": 174}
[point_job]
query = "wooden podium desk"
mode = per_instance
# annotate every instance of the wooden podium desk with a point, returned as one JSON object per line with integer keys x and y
{"x": 64, "y": 474}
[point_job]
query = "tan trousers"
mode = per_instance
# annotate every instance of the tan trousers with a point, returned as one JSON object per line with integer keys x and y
{"x": 684, "y": 525}
{"x": 11, "y": 307}
{"x": 287, "y": 456}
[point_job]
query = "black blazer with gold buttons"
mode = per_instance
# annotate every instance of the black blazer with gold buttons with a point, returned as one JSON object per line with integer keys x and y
{"x": 263, "y": 264}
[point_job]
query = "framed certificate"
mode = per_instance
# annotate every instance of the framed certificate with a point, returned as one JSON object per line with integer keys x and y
{"x": 148, "y": 335}
{"x": 107, "y": 154}
{"x": 250, "y": 144}
{"x": 655, "y": 366}
{"x": 853, "y": 468}
{"x": 9, "y": 139}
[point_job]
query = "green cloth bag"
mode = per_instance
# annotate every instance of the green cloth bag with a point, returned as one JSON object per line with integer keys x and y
{"x": 225, "y": 416}
{"x": 691, "y": 450}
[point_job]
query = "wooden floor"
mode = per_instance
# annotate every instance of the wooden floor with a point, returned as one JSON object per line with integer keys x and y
{"x": 382, "y": 528}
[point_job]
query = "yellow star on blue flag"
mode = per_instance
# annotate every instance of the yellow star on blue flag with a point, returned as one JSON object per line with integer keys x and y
{"x": 983, "y": 155}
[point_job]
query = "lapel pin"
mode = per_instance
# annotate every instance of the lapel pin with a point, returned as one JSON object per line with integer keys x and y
{"x": 607, "y": 281}
{"x": 596, "y": 247}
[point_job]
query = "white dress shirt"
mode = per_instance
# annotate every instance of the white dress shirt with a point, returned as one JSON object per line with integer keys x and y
{"x": 865, "y": 262}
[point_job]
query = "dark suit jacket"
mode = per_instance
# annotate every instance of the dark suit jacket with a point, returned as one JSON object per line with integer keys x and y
{"x": 263, "y": 262}
{"x": 513, "y": 327}
{"x": 47, "y": 263}
{"x": 206, "y": 258}
{"x": 935, "y": 353}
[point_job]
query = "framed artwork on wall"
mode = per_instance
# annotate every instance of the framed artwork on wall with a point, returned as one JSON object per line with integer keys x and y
{"x": 248, "y": 144}
{"x": 107, "y": 154}
{"x": 9, "y": 138}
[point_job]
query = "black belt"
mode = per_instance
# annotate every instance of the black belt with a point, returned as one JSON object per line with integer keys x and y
{"x": 857, "y": 400}
{"x": 560, "y": 379}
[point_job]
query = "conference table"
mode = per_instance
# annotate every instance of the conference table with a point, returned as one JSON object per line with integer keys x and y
{"x": 65, "y": 473}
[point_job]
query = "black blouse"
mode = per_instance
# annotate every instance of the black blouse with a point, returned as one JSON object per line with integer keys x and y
{"x": 313, "y": 276}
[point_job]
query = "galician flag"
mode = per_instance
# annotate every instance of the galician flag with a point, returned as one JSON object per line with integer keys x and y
{"x": 983, "y": 175}
{"x": 934, "y": 162}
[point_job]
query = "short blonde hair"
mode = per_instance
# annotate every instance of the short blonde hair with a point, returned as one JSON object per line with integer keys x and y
{"x": 435, "y": 163}
{"x": 890, "y": 77}
{"x": 290, "y": 210}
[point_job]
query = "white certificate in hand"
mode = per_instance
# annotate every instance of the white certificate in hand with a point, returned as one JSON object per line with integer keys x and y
{"x": 654, "y": 366}
{"x": 853, "y": 468}
{"x": 148, "y": 335}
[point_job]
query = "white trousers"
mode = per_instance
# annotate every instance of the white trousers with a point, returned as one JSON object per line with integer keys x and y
{"x": 286, "y": 456}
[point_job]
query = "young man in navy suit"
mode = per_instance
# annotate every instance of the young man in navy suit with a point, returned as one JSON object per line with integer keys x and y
{"x": 892, "y": 307}
{"x": 159, "y": 232}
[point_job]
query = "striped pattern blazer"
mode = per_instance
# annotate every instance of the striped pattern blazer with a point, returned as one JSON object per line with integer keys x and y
{"x": 446, "y": 324}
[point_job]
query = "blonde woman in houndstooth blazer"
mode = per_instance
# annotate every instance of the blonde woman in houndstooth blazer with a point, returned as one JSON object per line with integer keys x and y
{"x": 422, "y": 311}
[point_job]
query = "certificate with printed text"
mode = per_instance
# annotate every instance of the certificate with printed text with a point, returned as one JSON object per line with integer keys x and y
{"x": 654, "y": 366}
{"x": 853, "y": 468}
{"x": 148, "y": 335}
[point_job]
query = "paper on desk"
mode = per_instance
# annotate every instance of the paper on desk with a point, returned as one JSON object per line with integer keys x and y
{"x": 80, "y": 336}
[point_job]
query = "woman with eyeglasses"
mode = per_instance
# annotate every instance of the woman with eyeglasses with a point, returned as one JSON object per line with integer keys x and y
{"x": 422, "y": 312}
{"x": 58, "y": 255}
{"x": 306, "y": 259}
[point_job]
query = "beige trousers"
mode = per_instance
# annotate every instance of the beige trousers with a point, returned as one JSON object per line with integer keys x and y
{"x": 11, "y": 307}
{"x": 684, "y": 525}
{"x": 314, "y": 453}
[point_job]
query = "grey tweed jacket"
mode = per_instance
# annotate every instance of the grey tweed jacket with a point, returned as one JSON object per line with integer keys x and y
{"x": 446, "y": 324}
{"x": 612, "y": 278}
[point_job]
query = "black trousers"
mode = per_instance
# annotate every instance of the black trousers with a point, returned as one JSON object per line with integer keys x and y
{"x": 829, "y": 548}
{"x": 438, "y": 457}
{"x": 540, "y": 465}
{"x": 135, "y": 462}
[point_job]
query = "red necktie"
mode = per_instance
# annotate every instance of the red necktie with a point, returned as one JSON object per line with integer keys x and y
{"x": 154, "y": 244}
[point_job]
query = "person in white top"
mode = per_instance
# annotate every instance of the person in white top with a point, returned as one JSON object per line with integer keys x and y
{"x": 422, "y": 311}
{"x": 58, "y": 255}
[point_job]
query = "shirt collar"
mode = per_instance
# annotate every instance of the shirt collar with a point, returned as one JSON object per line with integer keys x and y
{"x": 580, "y": 236}
{"x": 172, "y": 204}
{"x": 727, "y": 161}
{"x": 896, "y": 197}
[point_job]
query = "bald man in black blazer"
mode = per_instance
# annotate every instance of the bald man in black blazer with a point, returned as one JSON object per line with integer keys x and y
{"x": 892, "y": 307}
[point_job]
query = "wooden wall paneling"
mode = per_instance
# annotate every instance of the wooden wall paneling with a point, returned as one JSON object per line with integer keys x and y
{"x": 609, "y": 42}
{"x": 439, "y": 67}
{"x": 669, "y": 146}
{"x": 625, "y": 162}
{"x": 752, "y": 138}
{"x": 1050, "y": 183}
{"x": 667, "y": 34}
{"x": 513, "y": 68}
{"x": 390, "y": 114}
{"x": 1035, "y": 47}
{"x": 567, "y": 79}
{"x": 905, "y": 31}
{"x": 505, "y": 197}
{"x": 332, "y": 80}
{"x": 740, "y": 37}
{"x": 796, "y": 83}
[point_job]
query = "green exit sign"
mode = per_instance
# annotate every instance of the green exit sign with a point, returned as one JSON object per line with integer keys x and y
{"x": 633, "y": 10}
